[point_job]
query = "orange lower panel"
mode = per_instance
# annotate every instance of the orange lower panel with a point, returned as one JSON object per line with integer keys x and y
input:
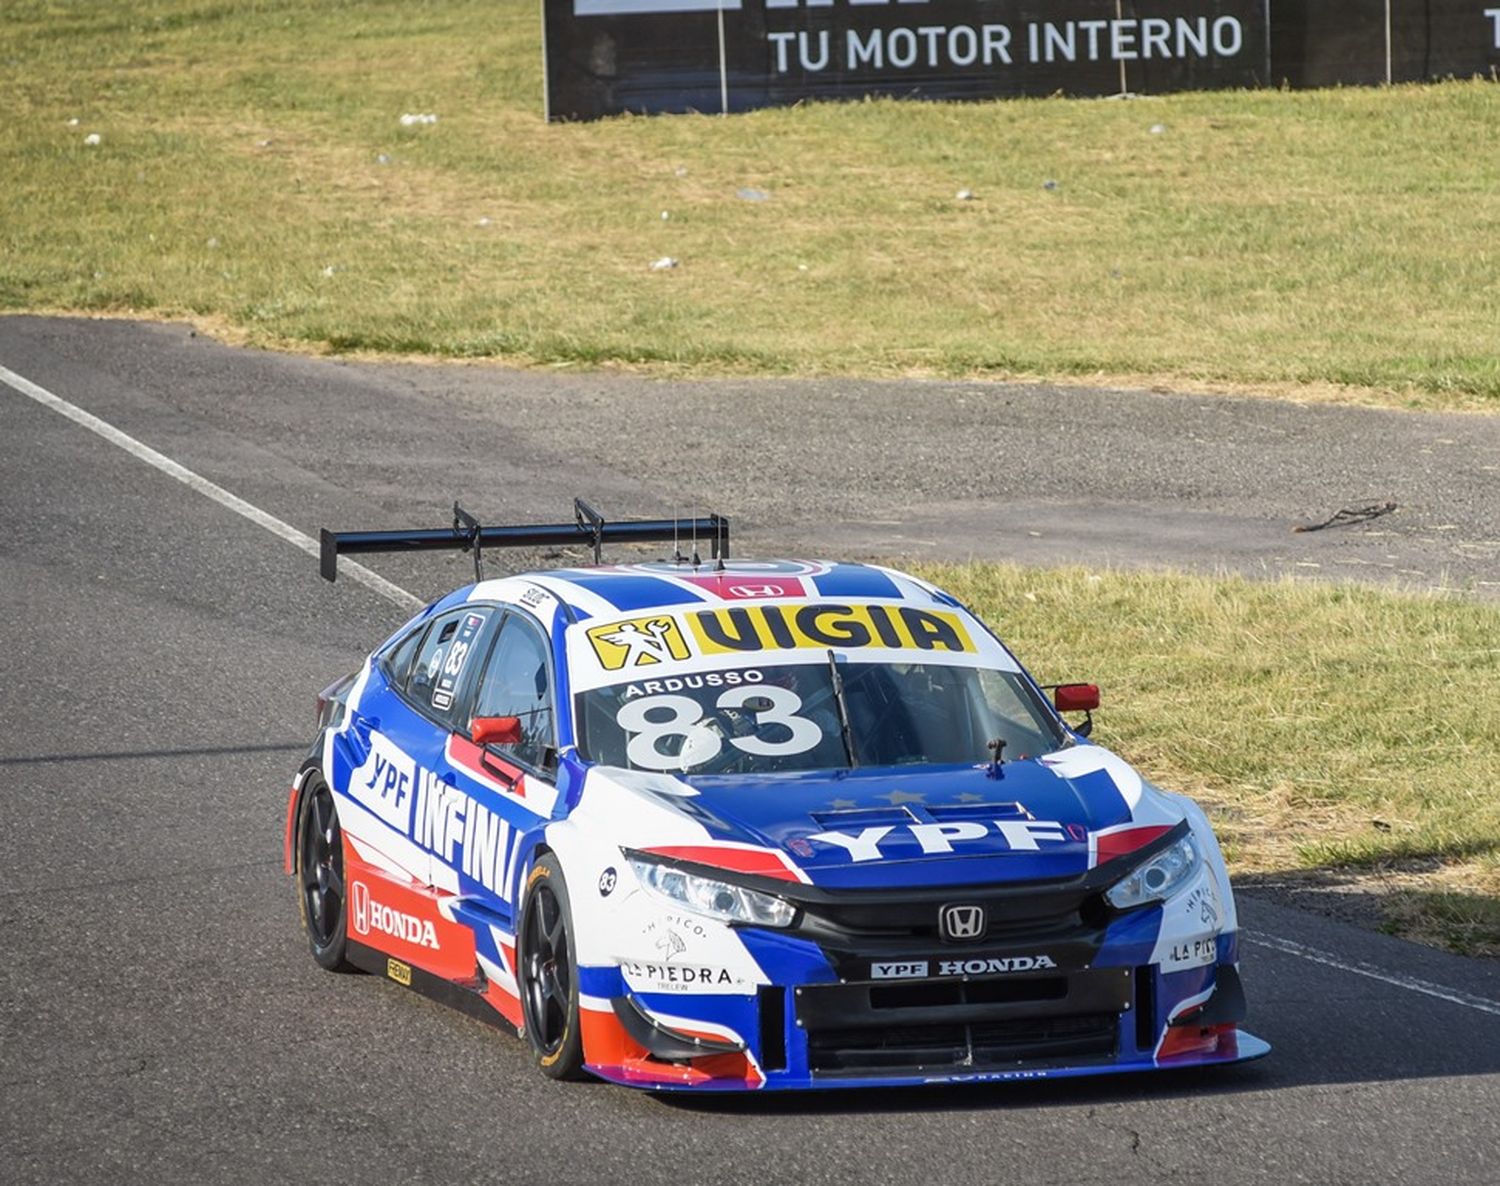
{"x": 609, "y": 1049}
{"x": 402, "y": 919}
{"x": 1199, "y": 1040}
{"x": 505, "y": 1003}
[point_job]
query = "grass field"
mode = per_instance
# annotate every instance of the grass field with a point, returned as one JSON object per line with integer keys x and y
{"x": 251, "y": 172}
{"x": 1324, "y": 727}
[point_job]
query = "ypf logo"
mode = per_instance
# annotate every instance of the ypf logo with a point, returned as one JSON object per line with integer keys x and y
{"x": 638, "y": 642}
{"x": 962, "y": 923}
{"x": 361, "y": 908}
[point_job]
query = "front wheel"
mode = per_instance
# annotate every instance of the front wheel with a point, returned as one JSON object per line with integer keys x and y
{"x": 549, "y": 973}
{"x": 320, "y": 877}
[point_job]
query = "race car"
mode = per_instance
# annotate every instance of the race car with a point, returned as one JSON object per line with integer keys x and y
{"x": 725, "y": 825}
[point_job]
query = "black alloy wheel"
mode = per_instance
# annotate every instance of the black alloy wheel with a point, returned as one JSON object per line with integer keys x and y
{"x": 549, "y": 973}
{"x": 320, "y": 876}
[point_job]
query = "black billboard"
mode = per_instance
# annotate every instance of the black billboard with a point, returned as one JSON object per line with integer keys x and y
{"x": 1315, "y": 43}
{"x": 607, "y": 57}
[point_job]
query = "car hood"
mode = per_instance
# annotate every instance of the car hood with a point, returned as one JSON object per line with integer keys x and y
{"x": 1033, "y": 819}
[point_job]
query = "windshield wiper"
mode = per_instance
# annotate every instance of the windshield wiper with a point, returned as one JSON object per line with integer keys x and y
{"x": 838, "y": 698}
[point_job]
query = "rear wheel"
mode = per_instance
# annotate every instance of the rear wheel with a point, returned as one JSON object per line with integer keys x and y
{"x": 320, "y": 877}
{"x": 549, "y": 973}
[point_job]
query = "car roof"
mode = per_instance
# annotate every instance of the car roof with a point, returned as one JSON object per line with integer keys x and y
{"x": 661, "y": 586}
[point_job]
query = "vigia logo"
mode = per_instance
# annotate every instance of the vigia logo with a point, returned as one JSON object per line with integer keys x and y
{"x": 370, "y": 915}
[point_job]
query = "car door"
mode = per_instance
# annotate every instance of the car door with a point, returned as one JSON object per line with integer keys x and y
{"x": 503, "y": 790}
{"x": 428, "y": 675}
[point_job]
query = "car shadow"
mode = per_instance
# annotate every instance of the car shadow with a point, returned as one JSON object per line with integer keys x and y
{"x": 966, "y": 1097}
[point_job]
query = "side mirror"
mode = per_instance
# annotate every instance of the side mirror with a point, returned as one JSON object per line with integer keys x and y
{"x": 1076, "y": 697}
{"x": 495, "y": 731}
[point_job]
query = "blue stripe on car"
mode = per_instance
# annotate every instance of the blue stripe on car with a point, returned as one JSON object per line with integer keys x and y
{"x": 854, "y": 580}
{"x": 628, "y": 592}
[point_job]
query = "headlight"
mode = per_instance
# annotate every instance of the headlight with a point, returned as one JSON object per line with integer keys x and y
{"x": 1158, "y": 878}
{"x": 717, "y": 899}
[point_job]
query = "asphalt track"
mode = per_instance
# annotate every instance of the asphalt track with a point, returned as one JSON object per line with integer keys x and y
{"x": 160, "y": 1019}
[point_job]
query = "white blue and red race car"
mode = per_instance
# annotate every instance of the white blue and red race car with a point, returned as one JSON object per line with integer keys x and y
{"x": 735, "y": 825}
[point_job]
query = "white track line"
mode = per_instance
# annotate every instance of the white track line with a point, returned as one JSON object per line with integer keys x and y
{"x": 1410, "y": 983}
{"x": 371, "y": 580}
{"x": 407, "y": 601}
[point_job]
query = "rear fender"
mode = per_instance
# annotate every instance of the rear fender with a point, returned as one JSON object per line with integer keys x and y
{"x": 293, "y": 809}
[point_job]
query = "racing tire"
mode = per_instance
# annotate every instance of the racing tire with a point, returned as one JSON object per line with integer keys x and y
{"x": 321, "y": 898}
{"x": 547, "y": 964}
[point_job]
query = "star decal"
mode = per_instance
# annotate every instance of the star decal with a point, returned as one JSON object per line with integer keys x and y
{"x": 842, "y": 804}
{"x": 896, "y": 798}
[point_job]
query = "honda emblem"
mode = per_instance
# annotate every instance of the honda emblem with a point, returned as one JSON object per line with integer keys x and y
{"x": 962, "y": 923}
{"x": 361, "y": 908}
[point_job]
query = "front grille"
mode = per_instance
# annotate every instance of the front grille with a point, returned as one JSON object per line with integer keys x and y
{"x": 929, "y": 993}
{"x": 976, "y": 1022}
{"x": 1040, "y": 911}
{"x": 980, "y": 1045}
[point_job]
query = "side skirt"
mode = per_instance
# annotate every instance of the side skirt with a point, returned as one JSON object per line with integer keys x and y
{"x": 445, "y": 992}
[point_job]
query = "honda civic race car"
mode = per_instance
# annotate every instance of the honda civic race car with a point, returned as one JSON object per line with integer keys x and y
{"x": 733, "y": 825}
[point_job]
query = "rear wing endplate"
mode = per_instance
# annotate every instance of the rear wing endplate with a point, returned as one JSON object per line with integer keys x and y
{"x": 589, "y": 529}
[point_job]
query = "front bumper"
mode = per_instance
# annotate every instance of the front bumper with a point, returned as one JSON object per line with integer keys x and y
{"x": 864, "y": 990}
{"x": 840, "y": 1034}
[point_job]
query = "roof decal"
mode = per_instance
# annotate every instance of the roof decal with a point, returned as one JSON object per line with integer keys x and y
{"x": 588, "y": 603}
{"x": 855, "y": 580}
{"x": 627, "y": 590}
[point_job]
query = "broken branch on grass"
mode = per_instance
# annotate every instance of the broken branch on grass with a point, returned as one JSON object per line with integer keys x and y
{"x": 1348, "y": 515}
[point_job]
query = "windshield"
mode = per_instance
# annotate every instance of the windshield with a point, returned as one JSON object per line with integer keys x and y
{"x": 788, "y": 718}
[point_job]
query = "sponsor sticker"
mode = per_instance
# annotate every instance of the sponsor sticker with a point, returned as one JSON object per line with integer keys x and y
{"x": 460, "y": 830}
{"x": 996, "y": 965}
{"x": 638, "y": 642}
{"x": 453, "y": 666}
{"x": 1023, "y": 835}
{"x": 386, "y": 783}
{"x": 1202, "y": 905}
{"x": 374, "y": 916}
{"x": 677, "y": 975}
{"x": 1002, "y": 965}
{"x": 397, "y": 971}
{"x": 898, "y": 971}
{"x": 1190, "y": 953}
{"x": 647, "y": 642}
{"x": 776, "y": 627}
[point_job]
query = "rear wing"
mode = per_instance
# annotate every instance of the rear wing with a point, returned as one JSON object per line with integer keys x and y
{"x": 588, "y": 528}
